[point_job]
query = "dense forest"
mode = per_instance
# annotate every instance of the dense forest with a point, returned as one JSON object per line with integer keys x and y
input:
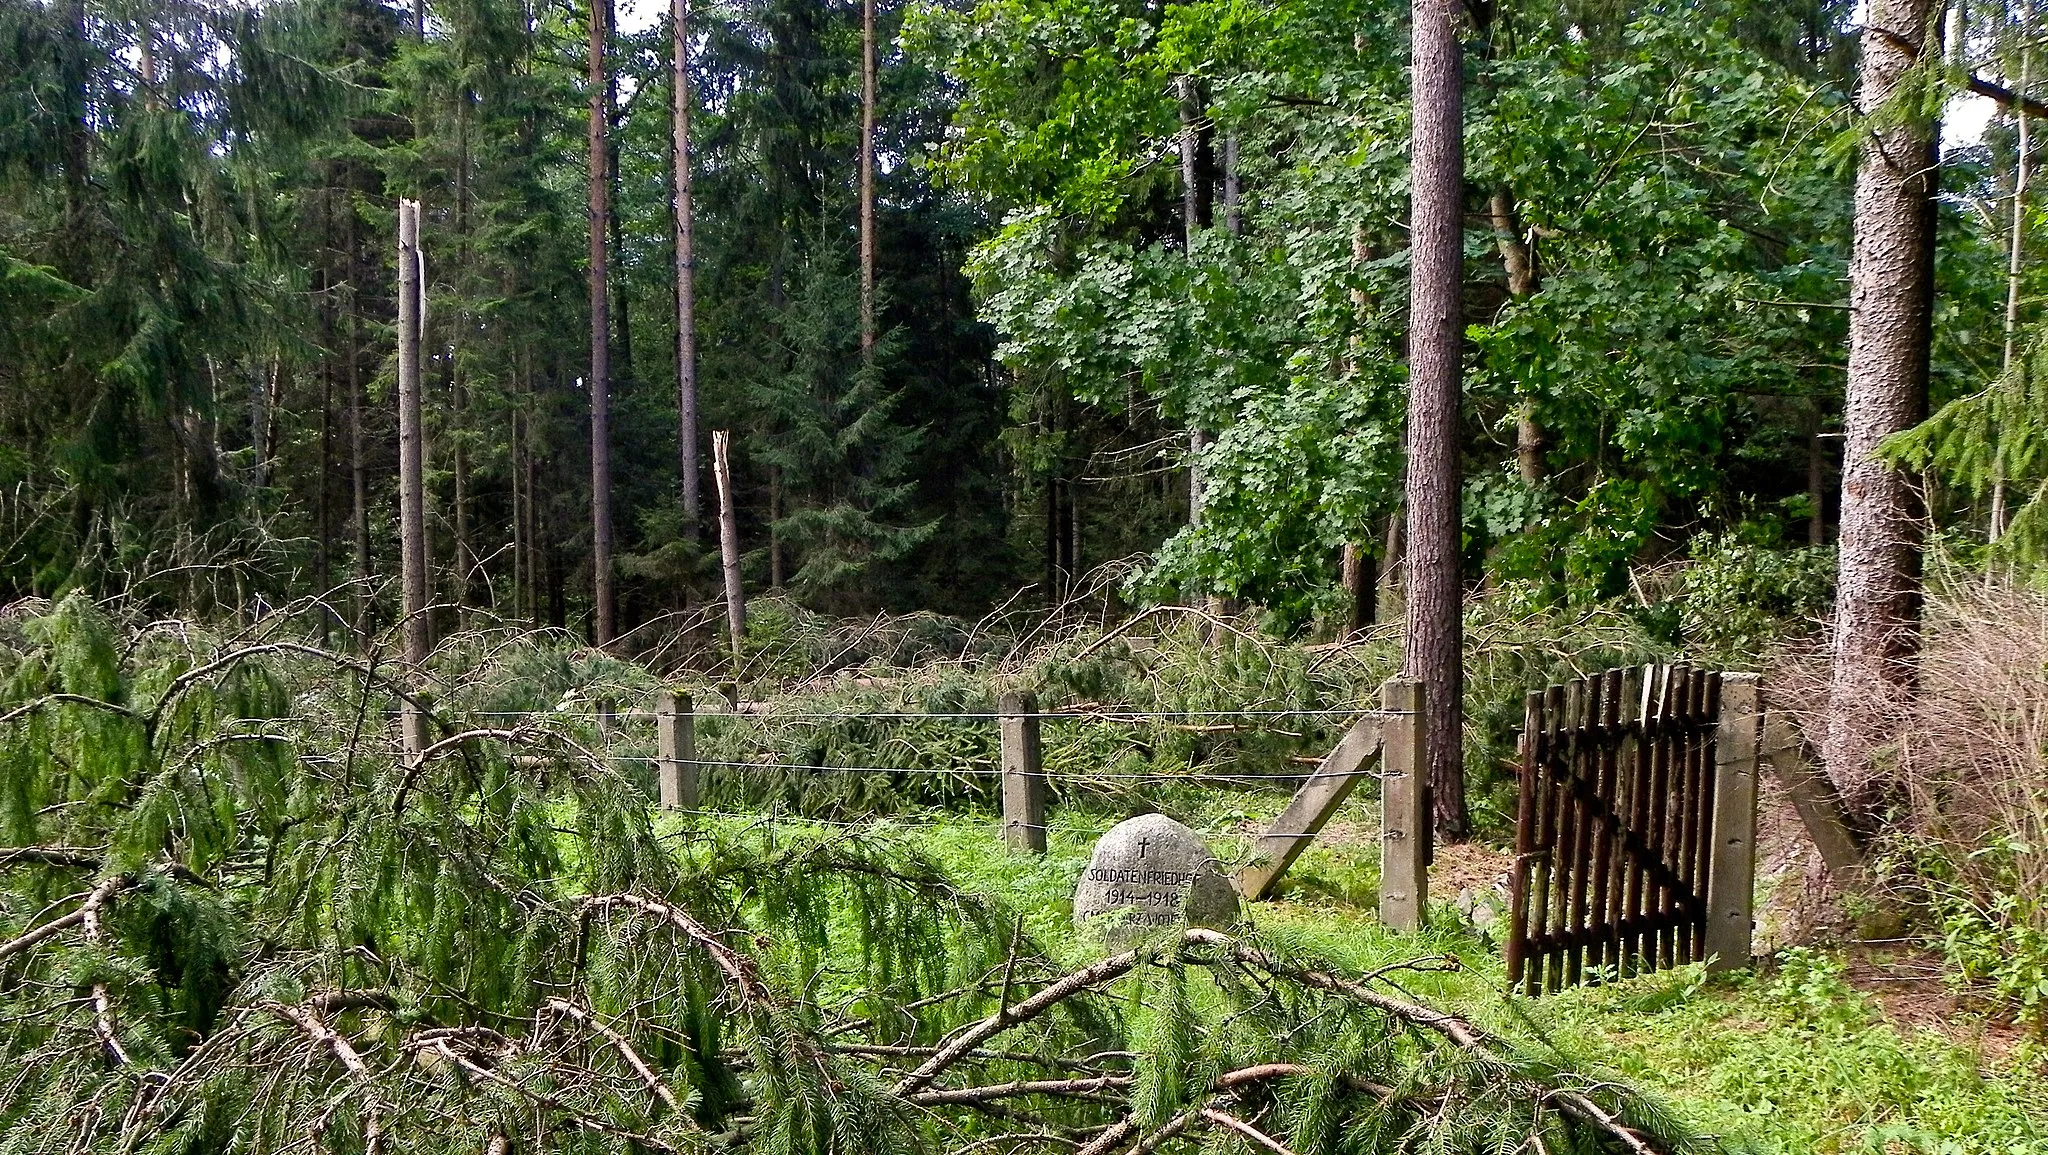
{"x": 1121, "y": 282}
{"x": 407, "y": 407}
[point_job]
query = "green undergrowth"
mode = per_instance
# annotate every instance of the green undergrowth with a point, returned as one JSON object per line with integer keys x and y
{"x": 1164, "y": 710}
{"x": 1788, "y": 1060}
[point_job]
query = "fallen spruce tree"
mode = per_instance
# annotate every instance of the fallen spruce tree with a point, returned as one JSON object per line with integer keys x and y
{"x": 234, "y": 919}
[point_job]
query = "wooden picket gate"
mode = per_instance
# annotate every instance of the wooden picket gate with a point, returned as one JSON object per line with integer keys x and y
{"x": 1635, "y": 827}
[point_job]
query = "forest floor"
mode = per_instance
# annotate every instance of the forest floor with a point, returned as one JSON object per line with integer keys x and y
{"x": 1861, "y": 1050}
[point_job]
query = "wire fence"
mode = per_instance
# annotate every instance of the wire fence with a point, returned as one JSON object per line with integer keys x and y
{"x": 1093, "y": 715}
{"x": 611, "y": 731}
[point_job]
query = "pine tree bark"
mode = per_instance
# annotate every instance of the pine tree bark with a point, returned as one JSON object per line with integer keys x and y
{"x": 603, "y": 615}
{"x": 686, "y": 270}
{"x": 359, "y": 467}
{"x": 74, "y": 255}
{"x": 775, "y": 574}
{"x": 867, "y": 180}
{"x": 1193, "y": 214}
{"x": 323, "y": 294}
{"x": 1360, "y": 579}
{"x": 1891, "y": 294}
{"x": 729, "y": 544}
{"x": 522, "y": 578}
{"x": 412, "y": 516}
{"x": 1435, "y": 639}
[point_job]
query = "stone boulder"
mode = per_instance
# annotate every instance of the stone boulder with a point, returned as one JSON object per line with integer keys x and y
{"x": 1148, "y": 873}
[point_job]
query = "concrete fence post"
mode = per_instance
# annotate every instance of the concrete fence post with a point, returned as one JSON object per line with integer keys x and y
{"x": 675, "y": 724}
{"x": 1404, "y": 828}
{"x": 1731, "y": 876}
{"x": 1023, "y": 774}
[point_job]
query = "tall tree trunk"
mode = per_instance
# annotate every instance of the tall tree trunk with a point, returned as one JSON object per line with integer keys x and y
{"x": 323, "y": 295}
{"x": 1891, "y": 295}
{"x": 1233, "y": 189}
{"x": 465, "y": 555}
{"x": 775, "y": 574}
{"x": 412, "y": 506}
{"x": 260, "y": 388}
{"x": 74, "y": 255}
{"x": 1193, "y": 213}
{"x": 359, "y": 466}
{"x": 686, "y": 271}
{"x": 729, "y": 545}
{"x": 1394, "y": 560}
{"x": 1435, "y": 584}
{"x": 1816, "y": 480}
{"x": 1052, "y": 539}
{"x": 867, "y": 180}
{"x": 2015, "y": 255}
{"x": 1523, "y": 281}
{"x": 466, "y": 566}
{"x": 521, "y": 580}
{"x": 1360, "y": 578}
{"x": 603, "y": 607}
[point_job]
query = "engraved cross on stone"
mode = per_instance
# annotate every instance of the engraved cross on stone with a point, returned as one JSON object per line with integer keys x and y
{"x": 1142, "y": 844}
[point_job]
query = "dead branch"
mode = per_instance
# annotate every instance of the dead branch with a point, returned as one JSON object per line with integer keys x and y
{"x": 574, "y": 1118}
{"x": 735, "y": 965}
{"x": 86, "y": 909}
{"x": 186, "y": 680}
{"x": 82, "y": 857}
{"x": 625, "y": 1049}
{"x": 1245, "y": 1129}
{"x": 1459, "y": 1031}
{"x": 1111, "y": 1140}
{"x": 1016, "y": 1087}
{"x": 102, "y": 1002}
{"x": 34, "y": 704}
{"x": 880, "y": 1050}
{"x": 973, "y": 1036}
{"x": 309, "y": 1023}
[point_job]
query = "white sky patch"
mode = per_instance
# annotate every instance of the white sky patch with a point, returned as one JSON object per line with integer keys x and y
{"x": 639, "y": 15}
{"x": 1964, "y": 119}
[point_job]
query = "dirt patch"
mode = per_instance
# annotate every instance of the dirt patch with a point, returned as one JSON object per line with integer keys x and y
{"x": 1905, "y": 981}
{"x": 1472, "y": 866}
{"x": 1909, "y": 986}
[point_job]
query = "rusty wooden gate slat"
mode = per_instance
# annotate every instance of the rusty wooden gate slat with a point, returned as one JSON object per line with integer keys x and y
{"x": 1614, "y": 826}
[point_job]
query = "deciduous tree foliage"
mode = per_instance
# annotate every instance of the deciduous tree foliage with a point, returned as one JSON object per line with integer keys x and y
{"x": 198, "y": 302}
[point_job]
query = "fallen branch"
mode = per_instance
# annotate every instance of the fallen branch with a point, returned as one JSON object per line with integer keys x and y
{"x": 625, "y": 1049}
{"x": 1050, "y": 996}
{"x": 102, "y": 1002}
{"x": 85, "y": 858}
{"x": 32, "y": 706}
{"x": 1245, "y": 1129}
{"x": 86, "y": 909}
{"x": 573, "y": 1118}
{"x": 1459, "y": 1031}
{"x": 309, "y": 1023}
{"x": 1014, "y": 1088}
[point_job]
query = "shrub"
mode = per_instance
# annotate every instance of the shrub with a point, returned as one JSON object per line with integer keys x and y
{"x": 1972, "y": 766}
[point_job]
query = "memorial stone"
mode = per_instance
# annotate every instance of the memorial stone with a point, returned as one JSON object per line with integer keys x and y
{"x": 1151, "y": 872}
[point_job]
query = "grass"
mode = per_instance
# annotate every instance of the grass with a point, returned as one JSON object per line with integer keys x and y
{"x": 1790, "y": 1060}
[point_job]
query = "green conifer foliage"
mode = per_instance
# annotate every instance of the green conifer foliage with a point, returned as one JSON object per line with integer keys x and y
{"x": 234, "y": 918}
